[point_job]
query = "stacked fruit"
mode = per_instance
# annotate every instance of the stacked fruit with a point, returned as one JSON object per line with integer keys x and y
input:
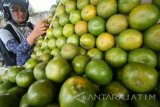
{"x": 96, "y": 53}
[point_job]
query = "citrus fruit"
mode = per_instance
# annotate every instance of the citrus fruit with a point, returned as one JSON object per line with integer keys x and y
{"x": 8, "y": 99}
{"x": 69, "y": 51}
{"x": 96, "y": 26}
{"x": 49, "y": 33}
{"x": 156, "y": 2}
{"x": 64, "y": 1}
{"x": 98, "y": 72}
{"x": 143, "y": 16}
{"x": 23, "y": 101}
{"x": 94, "y": 2}
{"x": 19, "y": 91}
{"x": 87, "y": 41}
{"x": 115, "y": 27}
{"x": 116, "y": 88}
{"x": 60, "y": 41}
{"x": 41, "y": 93}
{"x": 55, "y": 22}
{"x": 63, "y": 19}
{"x": 25, "y": 78}
{"x": 116, "y": 57}
{"x": 152, "y": 38}
{"x": 74, "y": 90}
{"x": 130, "y": 39}
{"x": 88, "y": 12}
{"x": 39, "y": 52}
{"x": 74, "y": 39}
{"x": 39, "y": 71}
{"x": 37, "y": 47}
{"x": 12, "y": 73}
{"x": 68, "y": 30}
{"x": 75, "y": 16}
{"x": 52, "y": 43}
{"x": 39, "y": 41}
{"x": 47, "y": 50}
{"x": 53, "y": 9}
{"x": 45, "y": 57}
{"x": 70, "y": 6}
{"x": 81, "y": 28}
{"x": 82, "y": 3}
{"x": 125, "y": 6}
{"x": 107, "y": 8}
{"x": 82, "y": 51}
{"x": 105, "y": 41}
{"x": 143, "y": 55}
{"x": 58, "y": 31}
{"x": 139, "y": 77}
{"x": 31, "y": 63}
{"x": 45, "y": 44}
{"x": 55, "y": 52}
{"x": 60, "y": 10}
{"x": 95, "y": 53}
{"x": 57, "y": 70}
{"x": 5, "y": 86}
{"x": 5, "y": 77}
{"x": 79, "y": 64}
{"x": 34, "y": 56}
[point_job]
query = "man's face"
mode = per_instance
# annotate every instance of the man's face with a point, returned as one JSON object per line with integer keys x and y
{"x": 20, "y": 13}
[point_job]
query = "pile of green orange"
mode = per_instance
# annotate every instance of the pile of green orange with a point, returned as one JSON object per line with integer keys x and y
{"x": 98, "y": 53}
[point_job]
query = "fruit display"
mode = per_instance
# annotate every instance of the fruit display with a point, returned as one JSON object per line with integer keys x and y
{"x": 96, "y": 53}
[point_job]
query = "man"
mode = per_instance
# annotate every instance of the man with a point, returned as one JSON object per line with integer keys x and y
{"x": 18, "y": 36}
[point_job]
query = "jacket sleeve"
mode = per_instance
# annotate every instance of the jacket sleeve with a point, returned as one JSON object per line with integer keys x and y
{"x": 18, "y": 48}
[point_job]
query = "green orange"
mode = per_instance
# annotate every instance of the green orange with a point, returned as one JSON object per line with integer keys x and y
{"x": 25, "y": 78}
{"x": 74, "y": 39}
{"x": 57, "y": 70}
{"x": 69, "y": 51}
{"x": 152, "y": 38}
{"x": 68, "y": 30}
{"x": 143, "y": 16}
{"x": 75, "y": 16}
{"x": 63, "y": 19}
{"x": 79, "y": 64}
{"x": 74, "y": 90}
{"x": 98, "y": 72}
{"x": 125, "y": 6}
{"x": 139, "y": 77}
{"x": 82, "y": 3}
{"x": 96, "y": 26}
{"x": 105, "y": 41}
{"x": 95, "y": 53}
{"x": 115, "y": 27}
{"x": 143, "y": 55}
{"x": 70, "y": 6}
{"x": 116, "y": 57}
{"x": 41, "y": 93}
{"x": 81, "y": 28}
{"x": 130, "y": 39}
{"x": 107, "y": 8}
{"x": 88, "y": 12}
{"x": 87, "y": 41}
